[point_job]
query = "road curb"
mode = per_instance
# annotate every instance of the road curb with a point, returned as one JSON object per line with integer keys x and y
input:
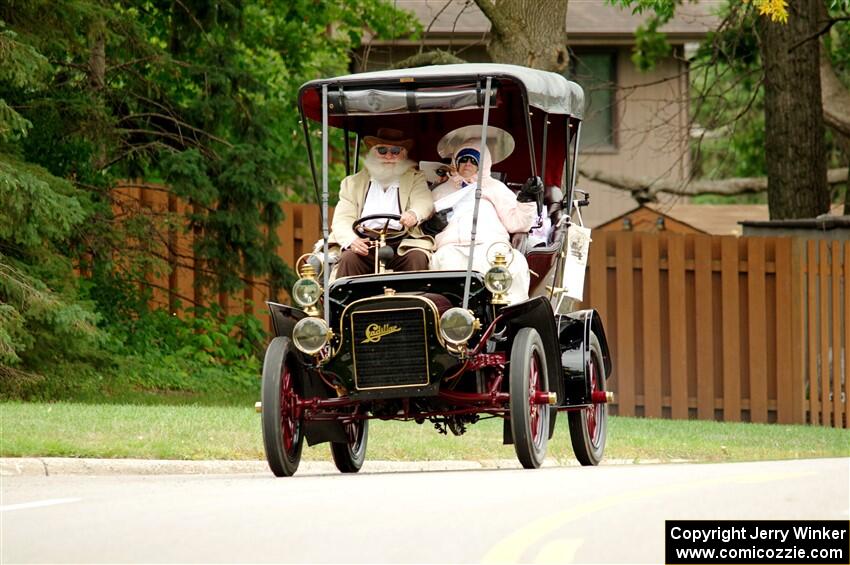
{"x": 51, "y": 466}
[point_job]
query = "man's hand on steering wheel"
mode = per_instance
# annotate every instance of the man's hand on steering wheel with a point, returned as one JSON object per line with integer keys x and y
{"x": 408, "y": 219}
{"x": 386, "y": 232}
{"x": 360, "y": 246}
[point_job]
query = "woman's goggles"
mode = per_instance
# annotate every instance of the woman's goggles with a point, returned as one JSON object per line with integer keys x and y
{"x": 383, "y": 149}
{"x": 467, "y": 159}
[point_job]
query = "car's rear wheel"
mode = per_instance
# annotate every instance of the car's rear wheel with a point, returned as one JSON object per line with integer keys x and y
{"x": 529, "y": 420}
{"x": 589, "y": 427}
{"x": 349, "y": 456}
{"x": 283, "y": 436}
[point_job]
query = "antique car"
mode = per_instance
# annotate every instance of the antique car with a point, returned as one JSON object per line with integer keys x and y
{"x": 443, "y": 347}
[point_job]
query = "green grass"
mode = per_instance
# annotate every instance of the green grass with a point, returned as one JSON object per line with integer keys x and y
{"x": 226, "y": 432}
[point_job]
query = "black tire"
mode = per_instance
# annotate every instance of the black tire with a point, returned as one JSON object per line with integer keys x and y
{"x": 349, "y": 456}
{"x": 283, "y": 436}
{"x": 529, "y": 422}
{"x": 589, "y": 427}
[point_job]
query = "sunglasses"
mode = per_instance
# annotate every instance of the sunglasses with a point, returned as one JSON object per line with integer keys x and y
{"x": 394, "y": 150}
{"x": 467, "y": 159}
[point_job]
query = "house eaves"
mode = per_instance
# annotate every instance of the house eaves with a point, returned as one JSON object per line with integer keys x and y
{"x": 588, "y": 22}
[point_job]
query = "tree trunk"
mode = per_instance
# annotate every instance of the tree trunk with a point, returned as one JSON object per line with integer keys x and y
{"x": 795, "y": 150}
{"x": 531, "y": 33}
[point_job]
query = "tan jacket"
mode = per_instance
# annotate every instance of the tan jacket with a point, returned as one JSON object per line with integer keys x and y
{"x": 413, "y": 194}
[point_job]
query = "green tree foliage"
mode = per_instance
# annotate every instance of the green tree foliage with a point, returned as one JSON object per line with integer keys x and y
{"x": 199, "y": 95}
{"x": 38, "y": 211}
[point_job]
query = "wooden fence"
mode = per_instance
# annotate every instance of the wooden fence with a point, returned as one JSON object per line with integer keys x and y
{"x": 707, "y": 327}
{"x": 725, "y": 328}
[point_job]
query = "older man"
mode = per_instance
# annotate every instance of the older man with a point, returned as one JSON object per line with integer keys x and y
{"x": 388, "y": 184}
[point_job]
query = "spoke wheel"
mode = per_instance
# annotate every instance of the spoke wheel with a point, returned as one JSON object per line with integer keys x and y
{"x": 349, "y": 457}
{"x": 282, "y": 421}
{"x": 529, "y": 421}
{"x": 589, "y": 427}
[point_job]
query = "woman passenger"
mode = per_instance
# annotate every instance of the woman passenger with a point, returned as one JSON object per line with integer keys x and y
{"x": 499, "y": 215}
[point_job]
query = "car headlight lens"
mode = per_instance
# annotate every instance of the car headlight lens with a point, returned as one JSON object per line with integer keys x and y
{"x": 457, "y": 325}
{"x": 498, "y": 280}
{"x": 306, "y": 292}
{"x": 310, "y": 335}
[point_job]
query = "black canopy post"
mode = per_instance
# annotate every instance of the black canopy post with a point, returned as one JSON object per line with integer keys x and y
{"x": 529, "y": 132}
{"x": 347, "y": 151}
{"x": 356, "y": 152}
{"x": 310, "y": 153}
{"x": 483, "y": 148}
{"x": 325, "y": 273}
{"x": 545, "y": 148}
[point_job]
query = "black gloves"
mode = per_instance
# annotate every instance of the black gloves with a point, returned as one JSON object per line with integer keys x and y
{"x": 436, "y": 223}
{"x": 531, "y": 191}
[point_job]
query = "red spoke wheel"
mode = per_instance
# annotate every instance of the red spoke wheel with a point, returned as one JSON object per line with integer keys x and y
{"x": 283, "y": 436}
{"x": 349, "y": 456}
{"x": 529, "y": 421}
{"x": 589, "y": 427}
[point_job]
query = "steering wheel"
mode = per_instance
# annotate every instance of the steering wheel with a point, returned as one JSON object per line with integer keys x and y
{"x": 389, "y": 234}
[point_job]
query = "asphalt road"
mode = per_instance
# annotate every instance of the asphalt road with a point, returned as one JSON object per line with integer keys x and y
{"x": 608, "y": 514}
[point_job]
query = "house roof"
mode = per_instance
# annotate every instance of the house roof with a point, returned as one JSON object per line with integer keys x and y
{"x": 715, "y": 219}
{"x": 585, "y": 19}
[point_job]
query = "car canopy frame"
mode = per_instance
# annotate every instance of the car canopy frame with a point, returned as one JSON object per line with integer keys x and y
{"x": 417, "y": 99}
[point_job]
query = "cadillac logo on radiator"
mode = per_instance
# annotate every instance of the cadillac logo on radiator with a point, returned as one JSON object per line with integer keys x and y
{"x": 374, "y": 332}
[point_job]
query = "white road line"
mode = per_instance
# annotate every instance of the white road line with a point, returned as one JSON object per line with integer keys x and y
{"x": 37, "y": 504}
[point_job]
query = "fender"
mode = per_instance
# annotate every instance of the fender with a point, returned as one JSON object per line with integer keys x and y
{"x": 537, "y": 313}
{"x": 284, "y": 318}
{"x": 574, "y": 336}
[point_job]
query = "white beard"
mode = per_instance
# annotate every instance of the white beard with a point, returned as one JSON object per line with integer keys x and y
{"x": 386, "y": 173}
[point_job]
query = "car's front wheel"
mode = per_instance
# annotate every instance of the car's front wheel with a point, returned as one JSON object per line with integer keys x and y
{"x": 283, "y": 436}
{"x": 349, "y": 456}
{"x": 589, "y": 427}
{"x": 529, "y": 420}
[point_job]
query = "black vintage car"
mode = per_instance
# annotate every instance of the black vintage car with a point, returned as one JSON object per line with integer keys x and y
{"x": 444, "y": 346}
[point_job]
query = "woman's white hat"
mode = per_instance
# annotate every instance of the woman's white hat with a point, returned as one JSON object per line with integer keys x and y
{"x": 499, "y": 142}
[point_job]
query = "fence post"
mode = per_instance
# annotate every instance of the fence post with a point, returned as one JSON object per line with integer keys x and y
{"x": 785, "y": 305}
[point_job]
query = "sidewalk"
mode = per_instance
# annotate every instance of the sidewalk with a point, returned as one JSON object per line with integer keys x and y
{"x": 47, "y": 466}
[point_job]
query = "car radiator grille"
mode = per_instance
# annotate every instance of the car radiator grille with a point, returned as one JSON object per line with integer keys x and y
{"x": 390, "y": 350}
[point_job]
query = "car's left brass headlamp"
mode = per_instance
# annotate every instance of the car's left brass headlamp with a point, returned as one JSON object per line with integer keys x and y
{"x": 310, "y": 335}
{"x": 307, "y": 291}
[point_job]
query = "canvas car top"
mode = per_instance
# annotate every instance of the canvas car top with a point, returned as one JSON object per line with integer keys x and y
{"x": 546, "y": 91}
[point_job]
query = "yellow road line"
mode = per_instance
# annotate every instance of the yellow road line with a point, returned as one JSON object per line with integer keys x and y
{"x": 511, "y": 549}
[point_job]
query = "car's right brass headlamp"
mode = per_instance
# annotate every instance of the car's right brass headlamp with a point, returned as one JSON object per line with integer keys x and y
{"x": 457, "y": 325}
{"x": 498, "y": 279}
{"x": 310, "y": 335}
